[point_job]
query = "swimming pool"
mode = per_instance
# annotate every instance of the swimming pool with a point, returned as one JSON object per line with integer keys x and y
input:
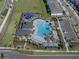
{"x": 42, "y": 28}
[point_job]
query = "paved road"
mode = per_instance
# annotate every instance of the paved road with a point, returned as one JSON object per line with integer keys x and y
{"x": 54, "y": 6}
{"x": 12, "y": 54}
{"x": 74, "y": 18}
{"x": 61, "y": 30}
{"x": 16, "y": 55}
{"x": 6, "y": 3}
{"x": 68, "y": 30}
{"x": 55, "y": 57}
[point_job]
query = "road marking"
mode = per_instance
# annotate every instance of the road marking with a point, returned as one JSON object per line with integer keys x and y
{"x": 67, "y": 13}
{"x": 66, "y": 44}
{"x": 73, "y": 11}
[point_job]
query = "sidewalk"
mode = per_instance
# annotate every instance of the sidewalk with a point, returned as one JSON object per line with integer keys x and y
{"x": 6, "y": 48}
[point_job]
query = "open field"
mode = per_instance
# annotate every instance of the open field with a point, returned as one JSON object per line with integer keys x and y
{"x": 36, "y": 6}
{"x": 1, "y": 3}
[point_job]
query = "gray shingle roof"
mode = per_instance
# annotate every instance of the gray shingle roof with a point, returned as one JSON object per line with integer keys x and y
{"x": 21, "y": 32}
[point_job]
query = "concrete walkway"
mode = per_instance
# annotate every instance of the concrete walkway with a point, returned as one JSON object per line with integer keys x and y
{"x": 52, "y": 51}
{"x": 7, "y": 48}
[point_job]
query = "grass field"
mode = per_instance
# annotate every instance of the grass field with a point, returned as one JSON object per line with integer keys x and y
{"x": 36, "y": 6}
{"x": 1, "y": 4}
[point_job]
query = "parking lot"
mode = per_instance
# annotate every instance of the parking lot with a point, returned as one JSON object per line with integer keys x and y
{"x": 68, "y": 31}
{"x": 54, "y": 6}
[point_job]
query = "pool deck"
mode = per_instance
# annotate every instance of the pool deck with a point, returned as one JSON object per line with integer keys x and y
{"x": 43, "y": 40}
{"x": 38, "y": 39}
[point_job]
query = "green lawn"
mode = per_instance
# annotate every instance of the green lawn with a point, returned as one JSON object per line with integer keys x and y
{"x": 1, "y": 4}
{"x": 36, "y": 6}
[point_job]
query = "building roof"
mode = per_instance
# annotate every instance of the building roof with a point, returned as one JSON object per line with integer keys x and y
{"x": 21, "y": 32}
{"x": 27, "y": 25}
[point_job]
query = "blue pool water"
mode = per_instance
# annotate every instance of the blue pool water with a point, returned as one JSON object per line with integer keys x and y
{"x": 42, "y": 28}
{"x": 28, "y": 15}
